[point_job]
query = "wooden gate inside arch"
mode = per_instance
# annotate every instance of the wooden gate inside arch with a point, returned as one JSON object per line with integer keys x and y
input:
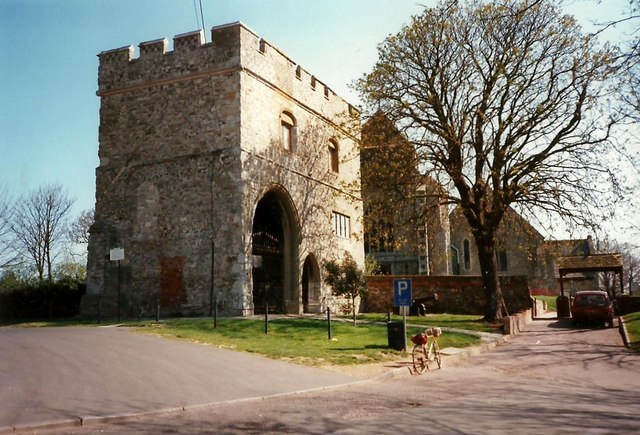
{"x": 274, "y": 252}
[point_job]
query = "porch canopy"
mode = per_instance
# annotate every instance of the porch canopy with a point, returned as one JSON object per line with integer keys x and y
{"x": 589, "y": 264}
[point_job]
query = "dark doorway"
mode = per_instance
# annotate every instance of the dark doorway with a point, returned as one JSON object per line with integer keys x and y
{"x": 311, "y": 286}
{"x": 268, "y": 255}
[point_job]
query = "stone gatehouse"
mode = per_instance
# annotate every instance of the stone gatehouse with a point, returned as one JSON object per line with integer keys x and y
{"x": 226, "y": 174}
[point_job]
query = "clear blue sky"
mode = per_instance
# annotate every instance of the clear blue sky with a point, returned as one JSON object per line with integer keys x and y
{"x": 48, "y": 65}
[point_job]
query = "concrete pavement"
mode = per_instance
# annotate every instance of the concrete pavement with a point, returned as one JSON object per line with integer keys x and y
{"x": 103, "y": 380}
{"x": 73, "y": 375}
{"x": 552, "y": 378}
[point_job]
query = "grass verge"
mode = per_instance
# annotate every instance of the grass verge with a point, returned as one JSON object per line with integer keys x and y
{"x": 632, "y": 321}
{"x": 458, "y": 321}
{"x": 299, "y": 340}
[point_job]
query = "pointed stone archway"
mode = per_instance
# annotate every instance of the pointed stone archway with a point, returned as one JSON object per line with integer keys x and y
{"x": 311, "y": 287}
{"x": 274, "y": 251}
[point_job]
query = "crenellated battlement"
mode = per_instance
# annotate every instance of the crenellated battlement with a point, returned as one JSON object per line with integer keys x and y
{"x": 233, "y": 47}
{"x": 153, "y": 48}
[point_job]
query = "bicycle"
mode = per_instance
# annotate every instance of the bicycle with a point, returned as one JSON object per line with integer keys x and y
{"x": 426, "y": 351}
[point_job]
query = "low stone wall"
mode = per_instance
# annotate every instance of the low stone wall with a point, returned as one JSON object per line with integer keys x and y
{"x": 456, "y": 294}
{"x": 517, "y": 322}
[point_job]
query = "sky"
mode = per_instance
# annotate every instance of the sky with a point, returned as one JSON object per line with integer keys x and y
{"x": 49, "y": 111}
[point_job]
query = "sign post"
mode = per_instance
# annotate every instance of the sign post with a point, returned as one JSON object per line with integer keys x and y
{"x": 403, "y": 297}
{"x": 117, "y": 254}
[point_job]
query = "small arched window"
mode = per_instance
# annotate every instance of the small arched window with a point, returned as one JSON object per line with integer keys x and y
{"x": 288, "y": 131}
{"x": 466, "y": 253}
{"x": 334, "y": 156}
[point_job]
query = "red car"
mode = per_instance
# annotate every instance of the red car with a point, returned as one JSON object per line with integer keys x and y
{"x": 592, "y": 307}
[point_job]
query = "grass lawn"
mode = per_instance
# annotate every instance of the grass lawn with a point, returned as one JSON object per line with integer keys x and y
{"x": 299, "y": 340}
{"x": 633, "y": 328}
{"x": 302, "y": 340}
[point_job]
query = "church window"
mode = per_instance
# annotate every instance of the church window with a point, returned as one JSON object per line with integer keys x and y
{"x": 466, "y": 254}
{"x": 501, "y": 256}
{"x": 288, "y": 131}
{"x": 334, "y": 155}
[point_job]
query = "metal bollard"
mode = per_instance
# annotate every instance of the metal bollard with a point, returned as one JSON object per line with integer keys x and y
{"x": 215, "y": 313}
{"x": 158, "y": 309}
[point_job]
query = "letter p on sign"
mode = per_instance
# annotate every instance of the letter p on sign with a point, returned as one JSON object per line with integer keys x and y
{"x": 402, "y": 292}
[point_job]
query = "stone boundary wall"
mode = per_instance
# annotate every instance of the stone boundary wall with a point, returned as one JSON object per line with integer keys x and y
{"x": 544, "y": 292}
{"x": 456, "y": 294}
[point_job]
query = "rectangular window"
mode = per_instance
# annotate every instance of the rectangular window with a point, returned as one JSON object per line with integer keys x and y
{"x": 341, "y": 225}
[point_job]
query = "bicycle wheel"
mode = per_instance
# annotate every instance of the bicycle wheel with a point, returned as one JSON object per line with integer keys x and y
{"x": 434, "y": 355}
{"x": 419, "y": 355}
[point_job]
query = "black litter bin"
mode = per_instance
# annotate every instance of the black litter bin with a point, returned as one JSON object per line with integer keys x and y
{"x": 395, "y": 335}
{"x": 563, "y": 306}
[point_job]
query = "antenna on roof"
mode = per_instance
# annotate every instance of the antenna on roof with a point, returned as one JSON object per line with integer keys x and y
{"x": 200, "y": 17}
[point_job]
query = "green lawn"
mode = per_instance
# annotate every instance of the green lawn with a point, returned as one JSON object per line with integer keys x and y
{"x": 632, "y": 321}
{"x": 298, "y": 340}
{"x": 302, "y": 340}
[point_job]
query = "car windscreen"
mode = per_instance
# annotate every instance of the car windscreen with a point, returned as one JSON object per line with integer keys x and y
{"x": 590, "y": 300}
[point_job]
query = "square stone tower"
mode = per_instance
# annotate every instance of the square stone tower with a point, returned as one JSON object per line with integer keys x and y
{"x": 226, "y": 175}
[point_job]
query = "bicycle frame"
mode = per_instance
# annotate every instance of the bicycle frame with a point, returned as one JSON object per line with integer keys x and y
{"x": 426, "y": 350}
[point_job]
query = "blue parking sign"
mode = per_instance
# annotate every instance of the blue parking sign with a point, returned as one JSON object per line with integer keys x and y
{"x": 402, "y": 292}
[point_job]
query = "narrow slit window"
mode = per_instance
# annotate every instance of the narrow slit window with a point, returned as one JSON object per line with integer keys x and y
{"x": 466, "y": 253}
{"x": 503, "y": 264}
{"x": 288, "y": 133}
{"x": 334, "y": 156}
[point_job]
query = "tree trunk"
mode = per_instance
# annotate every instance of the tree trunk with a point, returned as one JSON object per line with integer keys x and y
{"x": 490, "y": 280}
{"x": 353, "y": 307}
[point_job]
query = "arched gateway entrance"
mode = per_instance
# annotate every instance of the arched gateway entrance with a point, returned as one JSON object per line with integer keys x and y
{"x": 274, "y": 249}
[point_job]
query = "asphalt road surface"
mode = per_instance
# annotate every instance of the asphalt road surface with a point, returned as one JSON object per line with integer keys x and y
{"x": 56, "y": 375}
{"x": 551, "y": 379}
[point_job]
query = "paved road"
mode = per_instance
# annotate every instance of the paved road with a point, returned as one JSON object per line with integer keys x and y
{"x": 551, "y": 379}
{"x": 58, "y": 374}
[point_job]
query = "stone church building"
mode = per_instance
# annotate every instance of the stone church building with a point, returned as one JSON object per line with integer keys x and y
{"x": 225, "y": 180}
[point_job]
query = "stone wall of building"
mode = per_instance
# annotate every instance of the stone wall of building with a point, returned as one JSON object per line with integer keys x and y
{"x": 189, "y": 144}
{"x": 516, "y": 238}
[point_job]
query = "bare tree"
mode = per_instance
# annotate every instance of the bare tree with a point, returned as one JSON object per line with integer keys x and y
{"x": 8, "y": 255}
{"x": 628, "y": 86}
{"x": 39, "y": 225}
{"x": 609, "y": 281}
{"x": 79, "y": 228}
{"x": 499, "y": 99}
